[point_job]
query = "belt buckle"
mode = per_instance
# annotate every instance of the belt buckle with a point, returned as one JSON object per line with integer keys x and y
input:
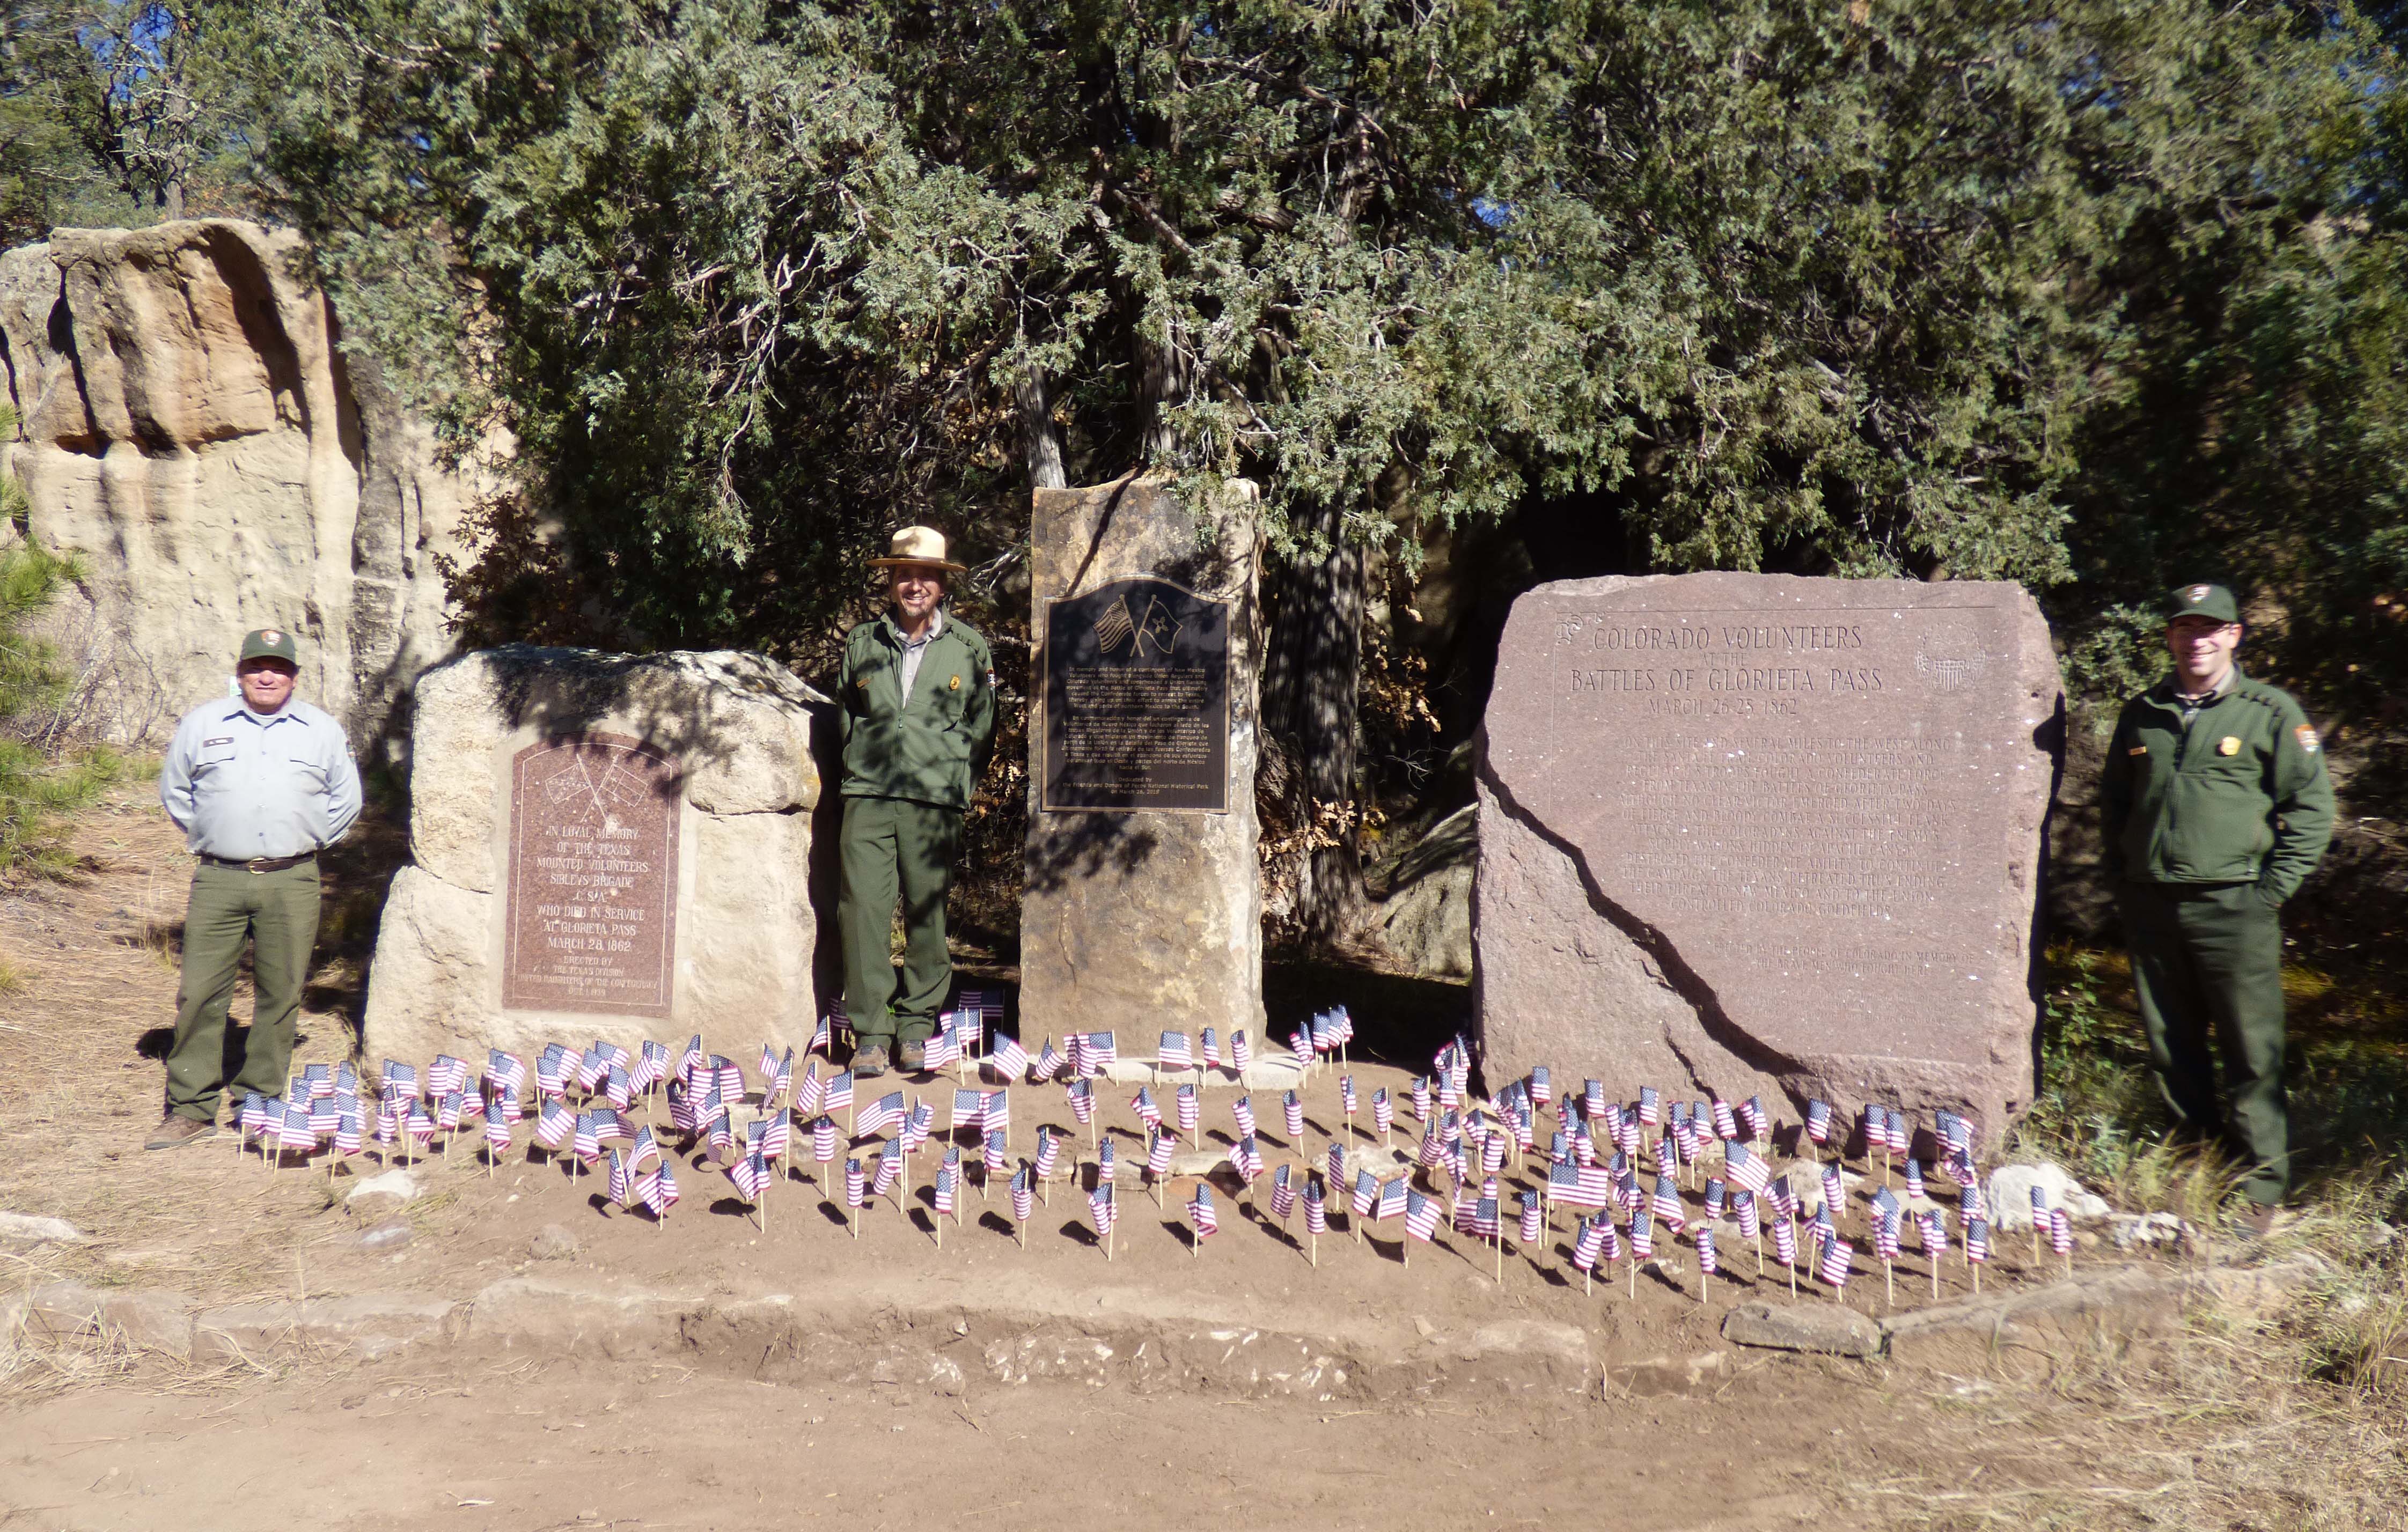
{"x": 254, "y": 867}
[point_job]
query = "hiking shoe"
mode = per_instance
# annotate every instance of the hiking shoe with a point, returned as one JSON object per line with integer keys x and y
{"x": 174, "y": 1131}
{"x": 2264, "y": 1219}
{"x": 869, "y": 1060}
{"x": 915, "y": 1055}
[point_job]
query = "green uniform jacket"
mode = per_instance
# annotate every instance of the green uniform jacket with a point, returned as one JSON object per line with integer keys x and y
{"x": 933, "y": 748}
{"x": 2238, "y": 796}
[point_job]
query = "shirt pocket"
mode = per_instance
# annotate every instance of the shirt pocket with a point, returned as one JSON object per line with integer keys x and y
{"x": 307, "y": 775}
{"x": 210, "y": 754}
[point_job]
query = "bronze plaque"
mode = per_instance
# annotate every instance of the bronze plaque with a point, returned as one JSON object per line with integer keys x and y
{"x": 1136, "y": 699}
{"x": 592, "y": 924}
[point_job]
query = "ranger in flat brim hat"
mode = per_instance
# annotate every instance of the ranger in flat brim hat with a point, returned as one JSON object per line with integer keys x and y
{"x": 919, "y": 545}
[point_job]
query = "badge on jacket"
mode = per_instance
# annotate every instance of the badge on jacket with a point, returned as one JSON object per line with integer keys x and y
{"x": 953, "y": 685}
{"x": 2138, "y": 750}
{"x": 2306, "y": 734}
{"x": 2228, "y": 745}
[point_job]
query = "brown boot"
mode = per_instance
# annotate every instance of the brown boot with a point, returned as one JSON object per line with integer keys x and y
{"x": 174, "y": 1131}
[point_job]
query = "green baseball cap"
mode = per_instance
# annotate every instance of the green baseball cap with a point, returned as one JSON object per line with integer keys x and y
{"x": 2213, "y": 601}
{"x": 270, "y": 644}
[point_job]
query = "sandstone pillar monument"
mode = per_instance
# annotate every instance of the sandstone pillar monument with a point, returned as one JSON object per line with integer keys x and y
{"x": 1143, "y": 909}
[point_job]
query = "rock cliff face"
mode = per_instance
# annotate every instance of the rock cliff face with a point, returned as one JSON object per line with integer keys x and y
{"x": 186, "y": 422}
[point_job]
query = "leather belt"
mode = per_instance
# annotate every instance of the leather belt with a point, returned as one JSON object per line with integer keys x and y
{"x": 261, "y": 863}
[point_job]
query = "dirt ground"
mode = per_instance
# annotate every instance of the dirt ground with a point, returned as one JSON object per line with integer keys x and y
{"x": 2179, "y": 1431}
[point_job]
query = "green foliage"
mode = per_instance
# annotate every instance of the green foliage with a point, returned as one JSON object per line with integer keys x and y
{"x": 2083, "y": 297}
{"x": 34, "y": 789}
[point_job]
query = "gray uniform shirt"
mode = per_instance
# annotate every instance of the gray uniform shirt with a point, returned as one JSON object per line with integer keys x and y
{"x": 916, "y": 650}
{"x": 241, "y": 786}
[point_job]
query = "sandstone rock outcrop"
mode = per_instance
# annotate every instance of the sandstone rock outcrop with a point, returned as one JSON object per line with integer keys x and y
{"x": 723, "y": 907}
{"x": 187, "y": 421}
{"x": 1752, "y": 833}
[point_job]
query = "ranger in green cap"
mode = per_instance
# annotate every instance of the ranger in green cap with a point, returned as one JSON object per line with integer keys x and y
{"x": 917, "y": 691}
{"x": 259, "y": 783}
{"x": 2216, "y": 808}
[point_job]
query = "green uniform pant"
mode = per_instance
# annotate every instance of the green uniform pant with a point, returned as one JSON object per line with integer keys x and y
{"x": 895, "y": 848}
{"x": 2207, "y": 960}
{"x": 278, "y": 911}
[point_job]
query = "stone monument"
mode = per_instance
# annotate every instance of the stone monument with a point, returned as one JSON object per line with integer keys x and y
{"x": 1754, "y": 832}
{"x": 1143, "y": 907}
{"x": 602, "y": 845}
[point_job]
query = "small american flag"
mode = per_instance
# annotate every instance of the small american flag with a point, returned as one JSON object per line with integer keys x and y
{"x": 1366, "y": 1193}
{"x": 587, "y": 1141}
{"x": 1726, "y": 1122}
{"x": 1392, "y": 1198}
{"x": 1484, "y": 1213}
{"x": 944, "y": 1190}
{"x": 1294, "y": 1105}
{"x": 1148, "y": 1112}
{"x": 1189, "y": 1109}
{"x": 552, "y": 1069}
{"x": 1200, "y": 1214}
{"x": 1048, "y": 1146}
{"x": 658, "y": 1191}
{"x": 1100, "y": 1052}
{"x": 839, "y": 1092}
{"x": 823, "y": 1034}
{"x": 1836, "y": 1252}
{"x": 1541, "y": 1087}
{"x": 347, "y": 1133}
{"x": 447, "y": 1110}
{"x": 1650, "y": 1106}
{"x": 591, "y": 1067}
{"x": 1885, "y": 1235}
{"x": 999, "y": 1109}
{"x": 1242, "y": 1108}
{"x": 1746, "y": 1167}
{"x": 888, "y": 1175}
{"x": 1283, "y": 1192}
{"x": 970, "y": 1111}
{"x": 2060, "y": 1232}
{"x": 1316, "y": 1208}
{"x": 1531, "y": 1218}
{"x": 690, "y": 1059}
{"x": 1666, "y": 1205}
{"x": 777, "y": 1133}
{"x": 1579, "y": 1186}
{"x": 1174, "y": 1054}
{"x": 1337, "y": 1163}
{"x": 446, "y": 1075}
{"x": 856, "y": 1185}
{"x": 1299, "y": 1043}
{"x": 1642, "y": 1234}
{"x": 1107, "y": 1163}
{"x": 618, "y": 1088}
{"x": 811, "y": 1092}
{"x": 1818, "y": 1121}
{"x": 1246, "y": 1158}
{"x": 880, "y": 1115}
{"x": 1705, "y": 1242}
{"x": 1785, "y": 1242}
{"x": 497, "y": 1134}
{"x": 721, "y": 1134}
{"x": 554, "y": 1125}
{"x": 919, "y": 1126}
{"x": 1935, "y": 1233}
{"x": 1969, "y": 1200}
{"x": 1103, "y": 1208}
{"x": 642, "y": 1155}
{"x": 823, "y": 1139}
{"x": 1751, "y": 1220}
{"x": 1432, "y": 1151}
{"x": 1977, "y": 1240}
{"x": 1835, "y": 1195}
{"x": 1421, "y": 1215}
{"x": 1023, "y": 1195}
{"x": 651, "y": 1064}
{"x": 1492, "y": 1154}
{"x": 1421, "y": 1098}
{"x": 1083, "y": 1101}
{"x": 1884, "y": 1203}
{"x": 1383, "y": 1112}
{"x": 1590, "y": 1242}
{"x": 1242, "y": 1050}
{"x": 1048, "y": 1063}
{"x": 1751, "y": 1116}
{"x": 940, "y": 1050}
{"x": 1009, "y": 1061}
{"x": 729, "y": 1078}
{"x": 504, "y": 1071}
{"x": 1714, "y": 1190}
{"x": 622, "y": 1184}
{"x": 1346, "y": 1102}
{"x": 1212, "y": 1046}
{"x": 1913, "y": 1179}
{"x": 1157, "y": 1153}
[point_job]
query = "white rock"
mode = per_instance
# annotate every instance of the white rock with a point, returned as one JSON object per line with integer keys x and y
{"x": 1806, "y": 1183}
{"x": 376, "y": 1193}
{"x": 2009, "y": 1194}
{"x": 2126, "y": 1230}
{"x": 31, "y": 1230}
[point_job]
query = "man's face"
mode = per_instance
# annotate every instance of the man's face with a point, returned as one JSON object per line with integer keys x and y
{"x": 2201, "y": 646}
{"x": 266, "y": 683}
{"x": 915, "y": 589}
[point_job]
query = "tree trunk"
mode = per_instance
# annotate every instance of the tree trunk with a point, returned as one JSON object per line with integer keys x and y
{"x": 1040, "y": 439}
{"x": 1311, "y": 683}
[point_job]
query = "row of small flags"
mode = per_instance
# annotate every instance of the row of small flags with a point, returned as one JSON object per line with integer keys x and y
{"x": 1594, "y": 1152}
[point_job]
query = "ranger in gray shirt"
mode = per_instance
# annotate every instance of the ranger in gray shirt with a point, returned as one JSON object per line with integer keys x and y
{"x": 258, "y": 785}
